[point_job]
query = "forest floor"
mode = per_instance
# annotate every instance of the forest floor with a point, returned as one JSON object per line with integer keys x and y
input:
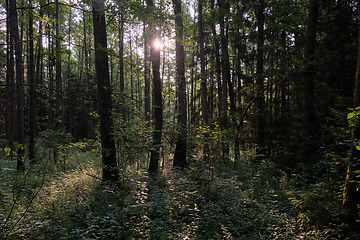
{"x": 246, "y": 201}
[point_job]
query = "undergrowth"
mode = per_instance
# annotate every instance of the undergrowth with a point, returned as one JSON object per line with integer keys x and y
{"x": 246, "y": 201}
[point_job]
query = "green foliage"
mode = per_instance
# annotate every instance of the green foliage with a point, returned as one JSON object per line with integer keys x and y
{"x": 353, "y": 116}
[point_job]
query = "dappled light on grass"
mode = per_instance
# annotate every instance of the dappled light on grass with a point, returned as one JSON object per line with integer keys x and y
{"x": 243, "y": 202}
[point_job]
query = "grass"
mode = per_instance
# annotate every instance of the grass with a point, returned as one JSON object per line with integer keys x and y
{"x": 249, "y": 201}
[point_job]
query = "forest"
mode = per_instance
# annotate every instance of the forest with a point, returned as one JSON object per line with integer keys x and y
{"x": 181, "y": 119}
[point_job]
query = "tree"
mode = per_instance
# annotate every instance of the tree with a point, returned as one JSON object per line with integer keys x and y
{"x": 157, "y": 96}
{"x": 110, "y": 170}
{"x": 309, "y": 60}
{"x": 146, "y": 77}
{"x": 58, "y": 81}
{"x": 15, "y": 39}
{"x": 180, "y": 150}
{"x": 260, "y": 114}
{"x": 350, "y": 194}
{"x": 204, "y": 95}
{"x": 33, "y": 95}
{"x": 225, "y": 73}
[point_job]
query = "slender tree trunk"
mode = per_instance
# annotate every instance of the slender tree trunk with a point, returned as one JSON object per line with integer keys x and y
{"x": 15, "y": 36}
{"x": 10, "y": 87}
{"x": 225, "y": 74}
{"x": 33, "y": 95}
{"x": 309, "y": 59}
{"x": 309, "y": 149}
{"x": 70, "y": 97}
{"x": 157, "y": 98}
{"x": 351, "y": 196}
{"x": 259, "y": 104}
{"x": 181, "y": 142}
{"x": 51, "y": 63}
{"x": 110, "y": 170}
{"x": 131, "y": 107}
{"x": 204, "y": 92}
{"x": 121, "y": 66}
{"x": 58, "y": 81}
{"x": 146, "y": 76}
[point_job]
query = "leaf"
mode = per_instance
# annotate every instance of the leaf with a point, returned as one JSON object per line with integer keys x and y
{"x": 350, "y": 115}
{"x": 358, "y": 147}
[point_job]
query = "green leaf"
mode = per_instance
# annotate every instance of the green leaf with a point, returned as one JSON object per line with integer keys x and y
{"x": 358, "y": 147}
{"x": 7, "y": 151}
{"x": 350, "y": 115}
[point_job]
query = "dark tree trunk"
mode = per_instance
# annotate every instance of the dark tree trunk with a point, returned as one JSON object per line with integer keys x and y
{"x": 225, "y": 74}
{"x": 204, "y": 93}
{"x": 51, "y": 63}
{"x": 110, "y": 170}
{"x": 157, "y": 98}
{"x": 121, "y": 66}
{"x": 33, "y": 95}
{"x": 217, "y": 62}
{"x": 146, "y": 77}
{"x": 88, "y": 105}
{"x": 10, "y": 87}
{"x": 309, "y": 59}
{"x": 310, "y": 126}
{"x": 181, "y": 142}
{"x": 259, "y": 104}
{"x": 351, "y": 195}
{"x": 15, "y": 36}
{"x": 58, "y": 81}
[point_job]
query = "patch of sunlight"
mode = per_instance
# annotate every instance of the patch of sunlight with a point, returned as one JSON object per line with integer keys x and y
{"x": 68, "y": 190}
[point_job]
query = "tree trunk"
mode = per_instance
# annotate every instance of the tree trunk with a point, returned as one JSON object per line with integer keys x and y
{"x": 259, "y": 104}
{"x": 157, "y": 97}
{"x": 204, "y": 93}
{"x": 58, "y": 80}
{"x": 110, "y": 170}
{"x": 14, "y": 29}
{"x": 225, "y": 74}
{"x": 146, "y": 77}
{"x": 33, "y": 95}
{"x": 351, "y": 196}
{"x": 10, "y": 87}
{"x": 181, "y": 142}
{"x": 309, "y": 60}
{"x": 121, "y": 66}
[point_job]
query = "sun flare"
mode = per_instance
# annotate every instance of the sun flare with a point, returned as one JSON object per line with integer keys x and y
{"x": 157, "y": 44}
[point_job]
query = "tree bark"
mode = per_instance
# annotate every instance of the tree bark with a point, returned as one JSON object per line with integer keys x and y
{"x": 10, "y": 87}
{"x": 146, "y": 77}
{"x": 181, "y": 142}
{"x": 351, "y": 195}
{"x": 259, "y": 104}
{"x": 157, "y": 98}
{"x": 110, "y": 170}
{"x": 15, "y": 36}
{"x": 58, "y": 80}
{"x": 121, "y": 66}
{"x": 204, "y": 92}
{"x": 33, "y": 95}
{"x": 309, "y": 59}
{"x": 225, "y": 75}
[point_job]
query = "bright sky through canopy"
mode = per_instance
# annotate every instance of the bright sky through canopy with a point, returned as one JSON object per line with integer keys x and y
{"x": 157, "y": 44}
